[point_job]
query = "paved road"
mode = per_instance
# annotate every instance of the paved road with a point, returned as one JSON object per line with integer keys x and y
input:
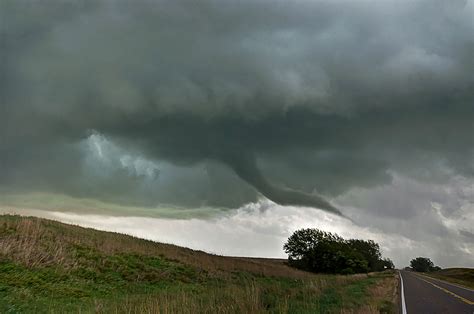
{"x": 427, "y": 295}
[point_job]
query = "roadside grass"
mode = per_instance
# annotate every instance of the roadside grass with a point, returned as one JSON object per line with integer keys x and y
{"x": 460, "y": 276}
{"x": 50, "y": 267}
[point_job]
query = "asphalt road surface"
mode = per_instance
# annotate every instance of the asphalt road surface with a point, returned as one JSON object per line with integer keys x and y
{"x": 421, "y": 294}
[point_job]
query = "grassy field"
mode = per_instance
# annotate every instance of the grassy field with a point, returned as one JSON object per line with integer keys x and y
{"x": 461, "y": 276}
{"x": 50, "y": 267}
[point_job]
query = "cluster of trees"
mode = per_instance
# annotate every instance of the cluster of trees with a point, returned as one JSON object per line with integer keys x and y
{"x": 319, "y": 251}
{"x": 423, "y": 264}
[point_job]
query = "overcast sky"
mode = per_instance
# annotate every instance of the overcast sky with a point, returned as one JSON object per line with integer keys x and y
{"x": 226, "y": 125}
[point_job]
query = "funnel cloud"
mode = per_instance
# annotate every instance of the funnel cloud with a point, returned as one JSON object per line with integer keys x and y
{"x": 245, "y": 167}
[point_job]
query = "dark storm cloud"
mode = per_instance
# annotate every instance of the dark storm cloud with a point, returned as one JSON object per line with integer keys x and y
{"x": 310, "y": 96}
{"x": 467, "y": 234}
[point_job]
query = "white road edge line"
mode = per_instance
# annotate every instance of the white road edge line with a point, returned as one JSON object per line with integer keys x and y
{"x": 404, "y": 307}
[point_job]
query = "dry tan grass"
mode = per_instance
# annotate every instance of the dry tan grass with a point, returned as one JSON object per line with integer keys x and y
{"x": 36, "y": 242}
{"x": 239, "y": 300}
{"x": 382, "y": 291}
{"x": 27, "y": 246}
{"x": 229, "y": 299}
{"x": 40, "y": 242}
{"x": 460, "y": 276}
{"x": 386, "y": 288}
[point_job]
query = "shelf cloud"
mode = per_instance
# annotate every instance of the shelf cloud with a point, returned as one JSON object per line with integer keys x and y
{"x": 293, "y": 98}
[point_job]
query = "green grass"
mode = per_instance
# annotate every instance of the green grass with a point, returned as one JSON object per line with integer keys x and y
{"x": 49, "y": 267}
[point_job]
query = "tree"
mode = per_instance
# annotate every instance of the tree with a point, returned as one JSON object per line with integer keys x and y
{"x": 387, "y": 264}
{"x": 309, "y": 249}
{"x": 421, "y": 264}
{"x": 319, "y": 251}
{"x": 370, "y": 251}
{"x": 436, "y": 268}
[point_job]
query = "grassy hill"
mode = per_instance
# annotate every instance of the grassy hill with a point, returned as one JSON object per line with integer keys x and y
{"x": 47, "y": 266}
{"x": 461, "y": 276}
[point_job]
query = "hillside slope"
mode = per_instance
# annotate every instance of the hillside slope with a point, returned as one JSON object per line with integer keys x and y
{"x": 47, "y": 266}
{"x": 462, "y": 276}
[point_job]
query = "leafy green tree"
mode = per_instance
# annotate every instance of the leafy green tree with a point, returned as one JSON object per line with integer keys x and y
{"x": 312, "y": 249}
{"x": 319, "y": 251}
{"x": 421, "y": 264}
{"x": 388, "y": 264}
{"x": 370, "y": 251}
{"x": 436, "y": 268}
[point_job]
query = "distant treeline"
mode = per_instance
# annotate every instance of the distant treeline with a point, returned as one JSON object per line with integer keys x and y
{"x": 324, "y": 252}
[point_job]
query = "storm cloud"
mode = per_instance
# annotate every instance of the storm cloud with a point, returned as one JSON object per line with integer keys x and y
{"x": 300, "y": 101}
